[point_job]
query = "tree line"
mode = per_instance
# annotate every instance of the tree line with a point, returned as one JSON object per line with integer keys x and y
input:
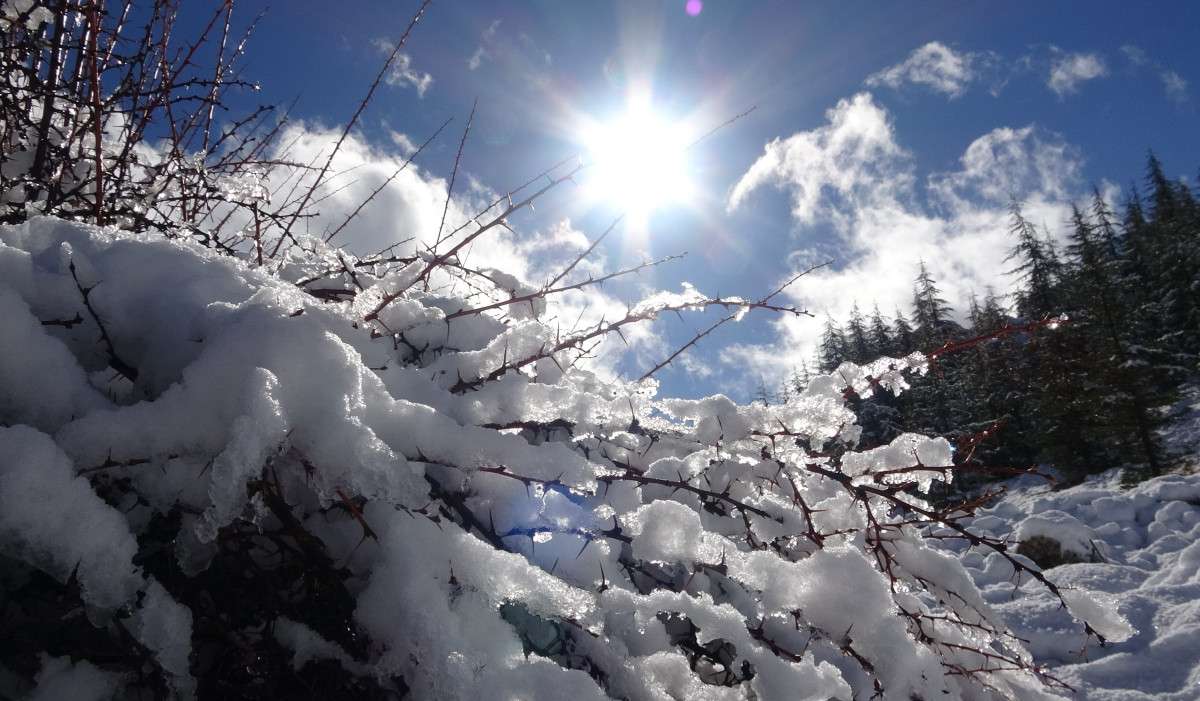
{"x": 1089, "y": 390}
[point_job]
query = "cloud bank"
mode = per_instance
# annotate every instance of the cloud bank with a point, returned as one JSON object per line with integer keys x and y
{"x": 853, "y": 176}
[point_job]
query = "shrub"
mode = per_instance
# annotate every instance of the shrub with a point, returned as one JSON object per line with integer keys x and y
{"x": 387, "y": 476}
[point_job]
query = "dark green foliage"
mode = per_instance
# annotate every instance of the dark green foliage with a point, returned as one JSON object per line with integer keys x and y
{"x": 833, "y": 350}
{"x": 858, "y": 343}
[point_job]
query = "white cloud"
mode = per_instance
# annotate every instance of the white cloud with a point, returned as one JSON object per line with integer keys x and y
{"x": 403, "y": 142}
{"x": 481, "y": 51}
{"x": 410, "y": 206}
{"x": 1007, "y": 163}
{"x": 694, "y": 366}
{"x": 1135, "y": 54}
{"x": 522, "y": 56}
{"x": 1067, "y": 71}
{"x": 887, "y": 220}
{"x": 402, "y": 73}
{"x": 476, "y": 59}
{"x": 1175, "y": 85}
{"x": 934, "y": 65}
{"x": 854, "y": 155}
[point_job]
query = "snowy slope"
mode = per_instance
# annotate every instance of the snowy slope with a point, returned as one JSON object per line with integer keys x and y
{"x": 1141, "y": 546}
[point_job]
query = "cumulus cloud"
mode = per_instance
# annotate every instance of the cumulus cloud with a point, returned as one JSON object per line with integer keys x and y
{"x": 933, "y": 65}
{"x": 851, "y": 157}
{"x": 853, "y": 175}
{"x": 409, "y": 207}
{"x": 403, "y": 142}
{"x": 402, "y": 73}
{"x": 1068, "y": 71}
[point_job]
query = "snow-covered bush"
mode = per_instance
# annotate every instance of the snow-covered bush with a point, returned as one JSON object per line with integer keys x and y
{"x": 211, "y": 456}
{"x": 238, "y": 462}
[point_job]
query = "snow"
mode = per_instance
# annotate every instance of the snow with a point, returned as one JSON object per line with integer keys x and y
{"x": 30, "y": 353}
{"x": 548, "y": 528}
{"x": 1070, "y": 533}
{"x": 60, "y": 678}
{"x": 165, "y": 628}
{"x": 1144, "y": 592}
{"x": 307, "y": 645}
{"x": 51, "y": 518}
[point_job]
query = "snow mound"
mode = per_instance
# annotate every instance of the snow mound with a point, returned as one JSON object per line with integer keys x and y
{"x": 1147, "y": 541}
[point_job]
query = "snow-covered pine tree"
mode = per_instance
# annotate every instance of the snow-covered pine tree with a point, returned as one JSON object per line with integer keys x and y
{"x": 1175, "y": 244}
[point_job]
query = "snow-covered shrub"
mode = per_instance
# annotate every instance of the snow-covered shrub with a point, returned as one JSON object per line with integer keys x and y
{"x": 241, "y": 480}
{"x": 236, "y": 462}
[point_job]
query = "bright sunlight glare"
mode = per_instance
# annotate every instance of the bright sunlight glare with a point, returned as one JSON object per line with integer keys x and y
{"x": 639, "y": 162}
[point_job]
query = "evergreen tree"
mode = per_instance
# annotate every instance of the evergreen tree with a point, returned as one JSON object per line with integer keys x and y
{"x": 857, "y": 341}
{"x": 1106, "y": 373}
{"x": 931, "y": 313}
{"x": 1084, "y": 397}
{"x": 903, "y": 339}
{"x": 832, "y": 350}
{"x": 1036, "y": 268}
{"x": 930, "y": 411}
{"x": 800, "y": 378}
{"x": 881, "y": 336}
{"x": 1176, "y": 264}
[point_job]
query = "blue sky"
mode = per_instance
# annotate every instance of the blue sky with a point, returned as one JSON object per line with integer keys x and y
{"x": 902, "y": 129}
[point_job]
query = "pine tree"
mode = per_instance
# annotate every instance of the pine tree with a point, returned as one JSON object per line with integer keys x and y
{"x": 1106, "y": 372}
{"x": 762, "y": 394}
{"x": 1176, "y": 264}
{"x": 931, "y": 411}
{"x": 881, "y": 336}
{"x": 1037, "y": 268}
{"x": 832, "y": 350}
{"x": 800, "y": 378}
{"x": 857, "y": 341}
{"x": 1084, "y": 397}
{"x": 931, "y": 313}
{"x": 904, "y": 340}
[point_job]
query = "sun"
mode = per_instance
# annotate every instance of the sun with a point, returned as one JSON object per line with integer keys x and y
{"x": 638, "y": 161}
